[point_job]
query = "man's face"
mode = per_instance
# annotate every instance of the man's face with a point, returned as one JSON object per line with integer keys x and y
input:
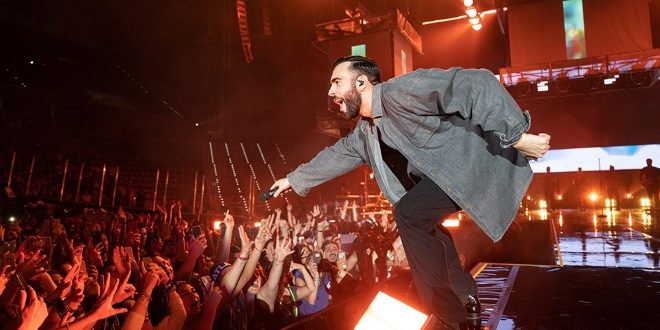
{"x": 330, "y": 252}
{"x": 343, "y": 92}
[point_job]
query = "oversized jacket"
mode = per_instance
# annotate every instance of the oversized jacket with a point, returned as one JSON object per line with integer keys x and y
{"x": 456, "y": 126}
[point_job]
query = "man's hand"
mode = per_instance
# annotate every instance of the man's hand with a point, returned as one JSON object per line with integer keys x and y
{"x": 533, "y": 146}
{"x": 282, "y": 186}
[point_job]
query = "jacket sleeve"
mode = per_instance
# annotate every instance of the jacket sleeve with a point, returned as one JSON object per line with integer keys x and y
{"x": 479, "y": 97}
{"x": 328, "y": 164}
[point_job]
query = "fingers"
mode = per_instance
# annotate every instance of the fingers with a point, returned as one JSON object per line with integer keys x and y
{"x": 22, "y": 299}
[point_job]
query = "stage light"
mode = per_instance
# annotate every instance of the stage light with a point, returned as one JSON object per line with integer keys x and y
{"x": 216, "y": 224}
{"x": 645, "y": 202}
{"x": 543, "y": 204}
{"x": 385, "y": 312}
{"x": 371, "y": 175}
{"x": 476, "y": 27}
{"x": 609, "y": 81}
{"x": 628, "y": 195}
{"x": 559, "y": 197}
{"x": 529, "y": 198}
{"x": 12, "y": 219}
{"x": 542, "y": 86}
{"x": 196, "y": 124}
{"x": 474, "y": 20}
{"x": 468, "y": 3}
{"x": 451, "y": 223}
{"x": 471, "y": 12}
{"x": 257, "y": 224}
{"x": 593, "y": 197}
{"x": 31, "y": 62}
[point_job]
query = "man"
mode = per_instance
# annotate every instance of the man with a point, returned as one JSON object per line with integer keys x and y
{"x": 549, "y": 188}
{"x": 461, "y": 139}
{"x": 649, "y": 177}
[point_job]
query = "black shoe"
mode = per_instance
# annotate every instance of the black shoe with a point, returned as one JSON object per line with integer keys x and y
{"x": 473, "y": 310}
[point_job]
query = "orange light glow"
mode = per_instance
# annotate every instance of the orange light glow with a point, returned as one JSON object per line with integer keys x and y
{"x": 471, "y": 12}
{"x": 386, "y": 312}
{"x": 477, "y": 27}
{"x": 529, "y": 198}
{"x": 628, "y": 195}
{"x": 560, "y": 197}
{"x": 561, "y": 220}
{"x": 593, "y": 197}
{"x": 257, "y": 224}
{"x": 468, "y": 3}
{"x": 450, "y": 223}
{"x": 216, "y": 224}
{"x": 543, "y": 204}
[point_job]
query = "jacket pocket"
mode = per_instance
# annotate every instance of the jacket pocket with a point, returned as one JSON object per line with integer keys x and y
{"x": 424, "y": 130}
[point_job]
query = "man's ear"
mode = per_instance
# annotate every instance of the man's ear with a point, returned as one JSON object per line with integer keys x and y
{"x": 361, "y": 81}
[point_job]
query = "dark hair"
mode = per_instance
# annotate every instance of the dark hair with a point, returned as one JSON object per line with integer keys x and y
{"x": 362, "y": 65}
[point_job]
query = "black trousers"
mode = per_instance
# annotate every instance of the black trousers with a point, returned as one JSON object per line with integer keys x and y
{"x": 441, "y": 282}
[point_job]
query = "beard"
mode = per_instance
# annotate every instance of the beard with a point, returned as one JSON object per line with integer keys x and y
{"x": 353, "y": 101}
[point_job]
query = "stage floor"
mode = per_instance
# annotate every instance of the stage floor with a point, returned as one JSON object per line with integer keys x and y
{"x": 610, "y": 277}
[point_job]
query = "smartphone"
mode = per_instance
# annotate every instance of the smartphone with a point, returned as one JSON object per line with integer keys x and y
{"x": 316, "y": 257}
{"x": 128, "y": 250}
{"x": 39, "y": 243}
{"x": 341, "y": 255}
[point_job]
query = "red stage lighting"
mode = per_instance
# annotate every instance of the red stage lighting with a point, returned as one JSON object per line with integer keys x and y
{"x": 386, "y": 312}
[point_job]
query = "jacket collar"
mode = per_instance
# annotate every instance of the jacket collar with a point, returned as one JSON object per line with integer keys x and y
{"x": 376, "y": 104}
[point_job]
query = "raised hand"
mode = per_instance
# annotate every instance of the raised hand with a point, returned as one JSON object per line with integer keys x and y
{"x": 229, "y": 220}
{"x": 32, "y": 266}
{"x": 316, "y": 211}
{"x": 213, "y": 297}
{"x": 125, "y": 290}
{"x": 198, "y": 245}
{"x": 264, "y": 235}
{"x": 107, "y": 293}
{"x": 34, "y": 313}
{"x": 282, "y": 248}
{"x": 246, "y": 243}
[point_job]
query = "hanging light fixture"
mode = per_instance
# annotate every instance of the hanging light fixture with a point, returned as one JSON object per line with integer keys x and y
{"x": 474, "y": 20}
{"x": 468, "y": 3}
{"x": 476, "y": 27}
{"x": 471, "y": 12}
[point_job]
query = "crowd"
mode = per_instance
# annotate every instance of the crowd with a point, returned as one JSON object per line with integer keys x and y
{"x": 92, "y": 268}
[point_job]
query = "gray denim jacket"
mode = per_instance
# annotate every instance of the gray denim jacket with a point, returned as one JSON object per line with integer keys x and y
{"x": 456, "y": 126}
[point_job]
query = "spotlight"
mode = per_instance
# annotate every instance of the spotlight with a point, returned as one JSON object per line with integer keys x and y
{"x": 628, "y": 195}
{"x": 471, "y": 12}
{"x": 474, "y": 20}
{"x": 593, "y": 197}
{"x": 468, "y": 3}
{"x": 257, "y": 224}
{"x": 196, "y": 124}
{"x": 559, "y": 197}
{"x": 477, "y": 27}
{"x": 12, "y": 219}
{"x": 216, "y": 224}
{"x": 385, "y": 312}
{"x": 371, "y": 175}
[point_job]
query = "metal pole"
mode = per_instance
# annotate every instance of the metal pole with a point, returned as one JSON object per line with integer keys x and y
{"x": 102, "y": 183}
{"x": 194, "y": 203}
{"x": 29, "y": 180}
{"x": 11, "y": 169}
{"x": 66, "y": 170}
{"x": 167, "y": 181}
{"x": 201, "y": 197}
{"x": 114, "y": 191}
{"x": 153, "y": 206}
{"x": 80, "y": 176}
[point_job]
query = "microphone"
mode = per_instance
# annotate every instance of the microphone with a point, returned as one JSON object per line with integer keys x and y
{"x": 266, "y": 195}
